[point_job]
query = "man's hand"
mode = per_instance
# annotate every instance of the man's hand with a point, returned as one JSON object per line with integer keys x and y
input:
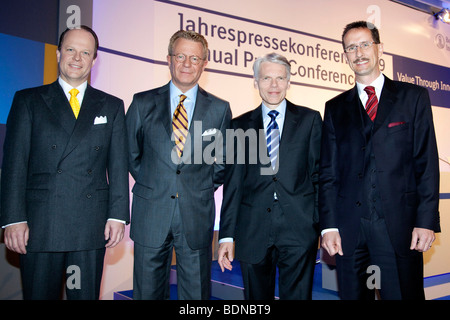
{"x": 16, "y": 237}
{"x": 331, "y": 241}
{"x": 114, "y": 231}
{"x": 422, "y": 239}
{"x": 225, "y": 256}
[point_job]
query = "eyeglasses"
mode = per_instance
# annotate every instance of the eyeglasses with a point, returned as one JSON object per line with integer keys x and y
{"x": 363, "y": 45}
{"x": 181, "y": 58}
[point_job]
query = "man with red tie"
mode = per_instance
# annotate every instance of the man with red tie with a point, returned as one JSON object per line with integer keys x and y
{"x": 379, "y": 177}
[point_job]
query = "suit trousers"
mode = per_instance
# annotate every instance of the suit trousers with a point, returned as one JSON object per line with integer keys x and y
{"x": 151, "y": 278}
{"x": 43, "y": 274}
{"x": 295, "y": 265}
{"x": 375, "y": 265}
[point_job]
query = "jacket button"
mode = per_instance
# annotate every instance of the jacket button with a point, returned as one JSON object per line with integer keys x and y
{"x": 358, "y": 204}
{"x": 172, "y": 197}
{"x": 269, "y": 210}
{"x": 59, "y": 171}
{"x": 88, "y": 196}
{"x": 54, "y": 146}
{"x": 178, "y": 171}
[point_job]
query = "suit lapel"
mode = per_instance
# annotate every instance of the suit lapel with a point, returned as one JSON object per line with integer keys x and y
{"x": 387, "y": 100}
{"x": 353, "y": 111}
{"x": 201, "y": 113}
{"x": 257, "y": 119}
{"x": 256, "y": 123}
{"x": 162, "y": 102}
{"x": 291, "y": 121}
{"x": 91, "y": 106}
{"x": 59, "y": 106}
{"x": 201, "y": 107}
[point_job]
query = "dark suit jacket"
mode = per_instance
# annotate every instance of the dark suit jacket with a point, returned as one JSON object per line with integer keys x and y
{"x": 406, "y": 158}
{"x": 160, "y": 180}
{"x": 65, "y": 177}
{"x": 248, "y": 194}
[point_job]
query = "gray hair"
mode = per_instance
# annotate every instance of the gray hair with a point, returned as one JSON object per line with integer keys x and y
{"x": 271, "y": 57}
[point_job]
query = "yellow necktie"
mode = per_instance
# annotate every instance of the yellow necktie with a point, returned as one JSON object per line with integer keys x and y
{"x": 74, "y": 103}
{"x": 180, "y": 125}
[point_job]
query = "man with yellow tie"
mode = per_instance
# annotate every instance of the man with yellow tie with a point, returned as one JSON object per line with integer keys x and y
{"x": 173, "y": 198}
{"x": 64, "y": 188}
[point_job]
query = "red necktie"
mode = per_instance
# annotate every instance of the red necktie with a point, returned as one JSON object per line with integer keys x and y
{"x": 372, "y": 102}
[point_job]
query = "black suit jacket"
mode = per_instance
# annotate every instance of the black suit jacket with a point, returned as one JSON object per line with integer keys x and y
{"x": 406, "y": 158}
{"x": 248, "y": 195}
{"x": 161, "y": 181}
{"x": 65, "y": 177}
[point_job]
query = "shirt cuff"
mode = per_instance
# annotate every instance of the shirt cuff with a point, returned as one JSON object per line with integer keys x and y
{"x": 225, "y": 240}
{"x": 11, "y": 224}
{"x": 117, "y": 220}
{"x": 328, "y": 230}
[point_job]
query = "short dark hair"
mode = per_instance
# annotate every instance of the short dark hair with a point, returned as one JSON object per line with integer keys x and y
{"x": 364, "y": 25}
{"x": 83, "y": 27}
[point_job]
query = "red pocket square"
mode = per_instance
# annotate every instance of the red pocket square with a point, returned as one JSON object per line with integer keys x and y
{"x": 394, "y": 124}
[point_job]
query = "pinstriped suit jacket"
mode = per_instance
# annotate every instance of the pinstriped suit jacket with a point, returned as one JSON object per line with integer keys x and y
{"x": 160, "y": 181}
{"x": 65, "y": 177}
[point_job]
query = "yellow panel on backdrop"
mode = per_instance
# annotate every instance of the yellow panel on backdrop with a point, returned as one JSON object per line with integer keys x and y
{"x": 50, "y": 64}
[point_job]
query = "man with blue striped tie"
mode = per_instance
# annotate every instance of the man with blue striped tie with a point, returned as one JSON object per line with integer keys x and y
{"x": 270, "y": 209}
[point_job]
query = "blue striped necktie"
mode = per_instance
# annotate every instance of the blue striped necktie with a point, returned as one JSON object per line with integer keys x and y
{"x": 273, "y": 137}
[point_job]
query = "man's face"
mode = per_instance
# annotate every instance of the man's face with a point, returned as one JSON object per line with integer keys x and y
{"x": 76, "y": 57}
{"x": 272, "y": 83}
{"x": 185, "y": 75}
{"x": 364, "y": 62}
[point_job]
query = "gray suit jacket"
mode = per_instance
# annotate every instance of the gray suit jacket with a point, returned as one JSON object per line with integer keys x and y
{"x": 160, "y": 181}
{"x": 65, "y": 177}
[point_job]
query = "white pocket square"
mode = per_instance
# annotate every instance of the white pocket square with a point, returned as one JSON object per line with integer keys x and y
{"x": 209, "y": 132}
{"x": 100, "y": 120}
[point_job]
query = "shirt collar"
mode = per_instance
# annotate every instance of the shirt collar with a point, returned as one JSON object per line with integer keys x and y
{"x": 67, "y": 87}
{"x": 281, "y": 109}
{"x": 175, "y": 93}
{"x": 377, "y": 84}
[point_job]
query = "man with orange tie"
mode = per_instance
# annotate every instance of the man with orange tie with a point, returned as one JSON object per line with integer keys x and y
{"x": 379, "y": 177}
{"x": 64, "y": 186}
{"x": 173, "y": 196}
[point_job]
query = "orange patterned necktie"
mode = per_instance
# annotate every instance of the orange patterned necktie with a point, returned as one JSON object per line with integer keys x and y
{"x": 180, "y": 125}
